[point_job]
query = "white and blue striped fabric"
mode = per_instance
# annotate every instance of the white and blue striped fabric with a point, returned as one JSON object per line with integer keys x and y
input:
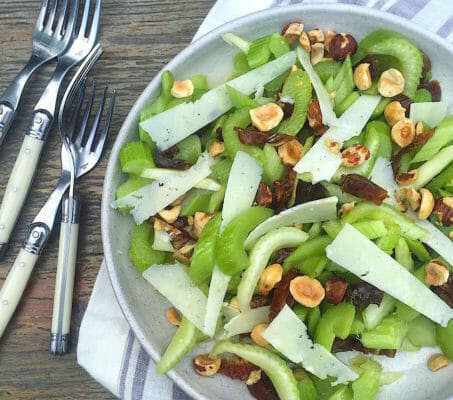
{"x": 107, "y": 347}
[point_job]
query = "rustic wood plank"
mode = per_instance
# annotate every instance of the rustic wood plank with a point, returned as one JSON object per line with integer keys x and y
{"x": 139, "y": 38}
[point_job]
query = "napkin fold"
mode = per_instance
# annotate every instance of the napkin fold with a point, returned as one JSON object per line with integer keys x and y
{"x": 107, "y": 347}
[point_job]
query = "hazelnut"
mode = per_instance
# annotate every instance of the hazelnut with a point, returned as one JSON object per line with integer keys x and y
{"x": 187, "y": 248}
{"x": 290, "y": 153}
{"x": 419, "y": 128}
{"x": 391, "y": 83}
{"x": 216, "y": 148}
{"x": 181, "y": 258}
{"x": 394, "y": 112}
{"x": 362, "y": 76}
{"x": 235, "y": 303}
{"x": 264, "y": 195}
{"x": 316, "y": 35}
{"x": 317, "y": 53}
{"x": 181, "y": 89}
{"x": 292, "y": 31}
{"x": 444, "y": 210}
{"x": 266, "y": 117}
{"x": 354, "y": 156}
{"x": 341, "y": 45}
{"x": 328, "y": 39}
{"x": 199, "y": 221}
{"x": 305, "y": 42}
{"x": 256, "y": 335}
{"x": 206, "y": 365}
{"x": 335, "y": 288}
{"x": 412, "y": 197}
{"x": 173, "y": 316}
{"x": 334, "y": 147}
{"x": 436, "y": 273}
{"x": 404, "y": 178}
{"x": 401, "y": 206}
{"x": 347, "y": 208}
{"x": 170, "y": 215}
{"x": 426, "y": 204}
{"x": 254, "y": 376}
{"x": 437, "y": 361}
{"x": 403, "y": 132}
{"x": 307, "y": 291}
{"x": 294, "y": 68}
{"x": 314, "y": 114}
{"x": 269, "y": 278}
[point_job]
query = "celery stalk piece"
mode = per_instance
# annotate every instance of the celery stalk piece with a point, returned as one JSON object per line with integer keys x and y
{"x": 140, "y": 250}
{"x": 313, "y": 211}
{"x": 371, "y": 229}
{"x": 319, "y": 160}
{"x": 136, "y": 156}
{"x": 246, "y": 321}
{"x": 328, "y": 115}
{"x": 307, "y": 389}
{"x": 235, "y": 40}
{"x": 173, "y": 282}
{"x": 259, "y": 257}
{"x": 430, "y": 113}
{"x": 183, "y": 341}
{"x": 161, "y": 173}
{"x": 403, "y": 255}
{"x": 444, "y": 335}
{"x": 172, "y": 126}
{"x": 366, "y": 387}
{"x": 374, "y": 314}
{"x": 389, "y": 334}
{"x": 342, "y": 393}
{"x": 335, "y": 190}
{"x": 343, "y": 82}
{"x": 288, "y": 334}
{"x": 273, "y": 169}
{"x": 189, "y": 149}
{"x": 422, "y": 332}
{"x": 197, "y": 203}
{"x": 379, "y": 269}
{"x": 259, "y": 52}
{"x": 275, "y": 368}
{"x": 243, "y": 181}
{"x": 326, "y": 69}
{"x": 239, "y": 99}
{"x": 132, "y": 184}
{"x": 152, "y": 198}
{"x": 310, "y": 248}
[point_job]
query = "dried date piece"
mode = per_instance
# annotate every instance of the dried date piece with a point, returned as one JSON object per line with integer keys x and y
{"x": 335, "y": 288}
{"x": 363, "y": 188}
{"x": 363, "y": 294}
{"x": 250, "y": 136}
{"x": 283, "y": 190}
{"x": 426, "y": 65}
{"x": 306, "y": 192}
{"x": 375, "y": 70}
{"x": 353, "y": 342}
{"x": 258, "y": 300}
{"x": 263, "y": 389}
{"x": 264, "y": 195}
{"x": 278, "y": 139}
{"x": 219, "y": 134}
{"x": 178, "y": 237}
{"x": 287, "y": 107}
{"x": 405, "y": 103}
{"x": 237, "y": 368}
{"x": 445, "y": 292}
{"x": 166, "y": 160}
{"x": 434, "y": 88}
{"x": 282, "y": 254}
{"x": 282, "y": 294}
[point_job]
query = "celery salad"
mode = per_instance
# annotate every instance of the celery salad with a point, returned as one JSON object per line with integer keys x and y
{"x": 301, "y": 209}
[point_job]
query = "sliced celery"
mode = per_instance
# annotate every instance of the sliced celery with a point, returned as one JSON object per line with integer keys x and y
{"x": 240, "y": 64}
{"x": 381, "y": 129}
{"x": 346, "y": 103}
{"x": 315, "y": 230}
{"x": 199, "y": 81}
{"x": 379, "y": 110}
{"x": 366, "y": 387}
{"x": 239, "y": 99}
{"x": 422, "y": 332}
{"x": 311, "y": 248}
{"x": 403, "y": 255}
{"x": 405, "y": 313}
{"x": 259, "y": 52}
{"x": 389, "y": 334}
{"x": 197, "y": 203}
{"x": 278, "y": 45}
{"x": 307, "y": 389}
{"x": 314, "y": 266}
{"x": 422, "y": 96}
{"x": 221, "y": 171}
{"x": 371, "y": 229}
{"x": 374, "y": 314}
{"x": 343, "y": 393}
{"x": 136, "y": 156}
{"x": 132, "y": 184}
{"x": 344, "y": 82}
{"x": 216, "y": 200}
{"x": 335, "y": 190}
{"x": 314, "y": 316}
{"x": 140, "y": 250}
{"x": 444, "y": 179}
{"x": 189, "y": 149}
{"x": 273, "y": 169}
{"x": 326, "y": 69}
{"x": 444, "y": 338}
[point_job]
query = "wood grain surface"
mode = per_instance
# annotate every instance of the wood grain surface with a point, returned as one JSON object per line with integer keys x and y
{"x": 139, "y": 38}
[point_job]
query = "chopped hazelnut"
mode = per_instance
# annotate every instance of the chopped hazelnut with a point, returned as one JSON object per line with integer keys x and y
{"x": 173, "y": 316}
{"x": 199, "y": 221}
{"x": 294, "y": 68}
{"x": 181, "y": 89}
{"x": 328, "y": 38}
{"x": 307, "y": 291}
{"x": 216, "y": 148}
{"x": 362, "y": 76}
{"x": 255, "y": 376}
{"x": 391, "y": 83}
{"x": 419, "y": 128}
{"x": 347, "y": 208}
{"x": 264, "y": 195}
{"x": 394, "y": 112}
{"x": 171, "y": 214}
{"x": 256, "y": 335}
{"x": 426, "y": 204}
{"x": 412, "y": 197}
{"x": 290, "y": 153}
{"x": 333, "y": 147}
{"x": 305, "y": 42}
{"x": 404, "y": 178}
{"x": 314, "y": 115}
{"x": 316, "y": 35}
{"x": 437, "y": 362}
{"x": 401, "y": 206}
{"x": 292, "y": 31}
{"x": 269, "y": 278}
{"x": 317, "y": 53}
{"x": 335, "y": 288}
{"x": 354, "y": 156}
{"x": 206, "y": 365}
{"x": 403, "y": 132}
{"x": 341, "y": 45}
{"x": 235, "y": 303}
{"x": 444, "y": 210}
{"x": 436, "y": 273}
{"x": 266, "y": 117}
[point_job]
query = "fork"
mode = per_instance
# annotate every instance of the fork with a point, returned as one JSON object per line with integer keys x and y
{"x": 41, "y": 227}
{"x": 47, "y": 43}
{"x": 42, "y": 120}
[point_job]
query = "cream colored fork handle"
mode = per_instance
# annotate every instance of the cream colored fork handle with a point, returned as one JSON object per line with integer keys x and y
{"x": 14, "y": 286}
{"x": 18, "y": 186}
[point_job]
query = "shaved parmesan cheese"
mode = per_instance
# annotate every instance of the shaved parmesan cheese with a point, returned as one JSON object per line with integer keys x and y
{"x": 158, "y": 173}
{"x": 379, "y": 269}
{"x": 152, "y": 198}
{"x": 174, "y": 283}
{"x": 288, "y": 334}
{"x": 430, "y": 113}
{"x": 246, "y": 321}
{"x": 171, "y": 126}
{"x": 382, "y": 175}
{"x": 319, "y": 160}
{"x": 243, "y": 181}
{"x": 325, "y": 103}
{"x": 313, "y": 211}
{"x": 437, "y": 240}
{"x": 162, "y": 241}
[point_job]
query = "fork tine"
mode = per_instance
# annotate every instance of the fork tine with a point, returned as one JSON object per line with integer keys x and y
{"x": 85, "y": 16}
{"x": 67, "y": 30}
{"x": 42, "y": 14}
{"x": 61, "y": 18}
{"x": 78, "y": 106}
{"x": 96, "y": 122}
{"x": 79, "y": 138}
{"x": 95, "y": 22}
{"x": 51, "y": 18}
{"x": 105, "y": 130}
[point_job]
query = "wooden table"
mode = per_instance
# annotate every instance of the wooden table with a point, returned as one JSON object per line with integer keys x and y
{"x": 139, "y": 38}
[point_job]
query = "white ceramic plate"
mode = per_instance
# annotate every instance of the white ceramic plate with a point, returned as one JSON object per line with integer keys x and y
{"x": 143, "y": 307}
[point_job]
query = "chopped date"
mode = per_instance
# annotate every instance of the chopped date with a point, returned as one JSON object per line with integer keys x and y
{"x": 426, "y": 65}
{"x": 264, "y": 195}
{"x": 250, "y": 136}
{"x": 353, "y": 342}
{"x": 277, "y": 139}
{"x": 258, "y": 300}
{"x": 283, "y": 190}
{"x": 282, "y": 295}
{"x": 282, "y": 254}
{"x": 236, "y": 368}
{"x": 363, "y": 188}
{"x": 335, "y": 288}
{"x": 434, "y": 88}
{"x": 219, "y": 134}
{"x": 164, "y": 160}
{"x": 306, "y": 192}
{"x": 263, "y": 389}
{"x": 287, "y": 107}
{"x": 363, "y": 294}
{"x": 374, "y": 65}
{"x": 405, "y": 103}
{"x": 181, "y": 222}
{"x": 445, "y": 292}
{"x": 321, "y": 130}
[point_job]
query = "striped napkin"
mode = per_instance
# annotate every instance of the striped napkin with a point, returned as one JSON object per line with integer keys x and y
{"x": 107, "y": 347}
